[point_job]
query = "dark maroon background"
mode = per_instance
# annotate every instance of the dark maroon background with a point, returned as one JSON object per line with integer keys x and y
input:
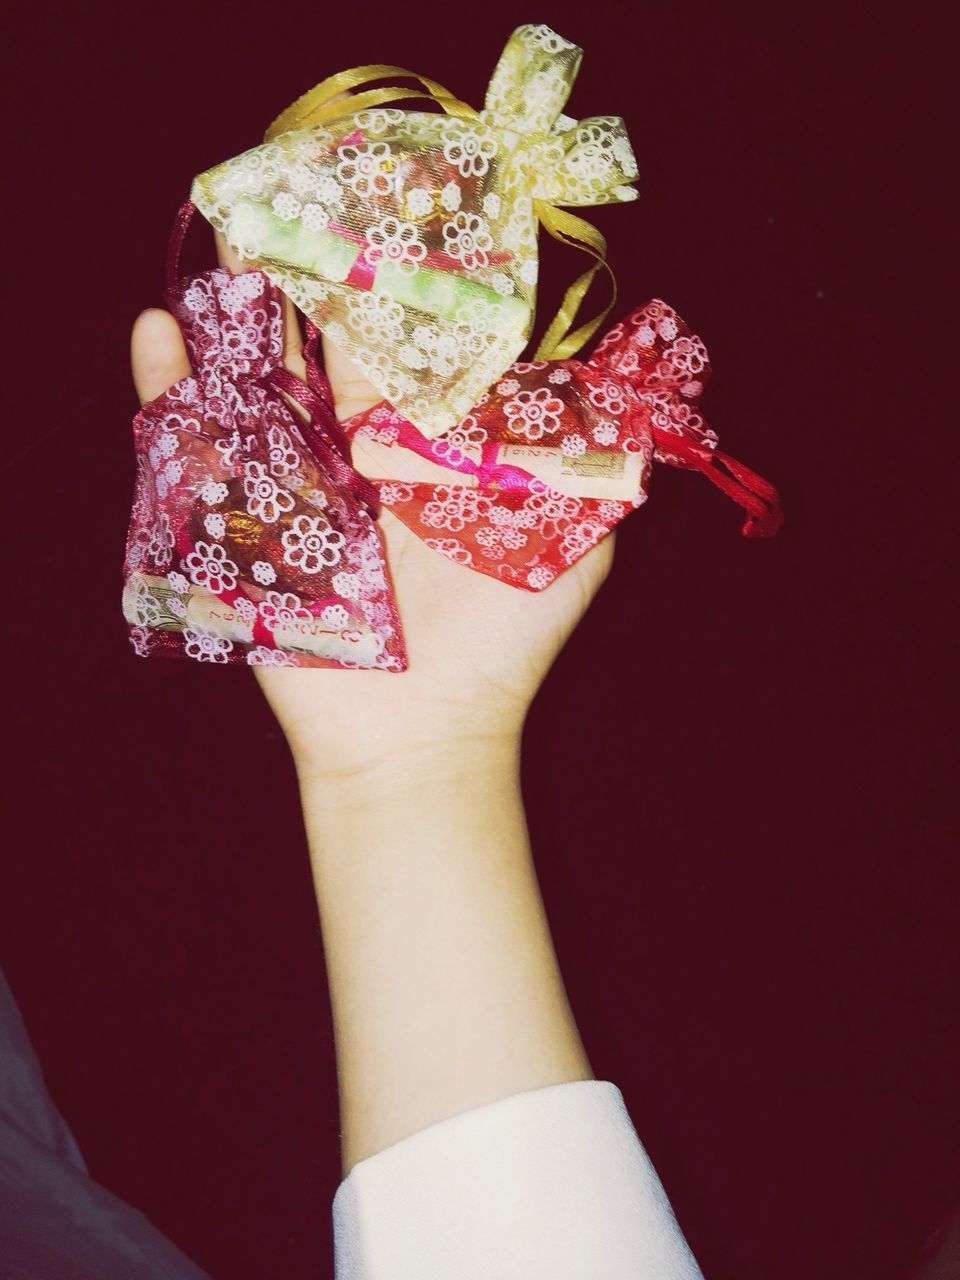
{"x": 737, "y": 775}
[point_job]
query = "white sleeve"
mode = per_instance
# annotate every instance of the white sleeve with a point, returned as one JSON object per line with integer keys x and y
{"x": 550, "y": 1184}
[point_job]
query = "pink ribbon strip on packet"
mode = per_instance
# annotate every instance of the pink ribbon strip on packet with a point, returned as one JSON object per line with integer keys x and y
{"x": 557, "y": 452}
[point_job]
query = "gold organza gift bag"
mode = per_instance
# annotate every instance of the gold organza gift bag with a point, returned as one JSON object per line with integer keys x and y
{"x": 410, "y": 237}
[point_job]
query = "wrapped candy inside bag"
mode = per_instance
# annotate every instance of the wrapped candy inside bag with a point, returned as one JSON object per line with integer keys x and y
{"x": 253, "y": 536}
{"x": 556, "y": 453}
{"x": 410, "y": 237}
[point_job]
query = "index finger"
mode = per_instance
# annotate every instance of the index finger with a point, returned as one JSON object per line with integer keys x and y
{"x": 292, "y": 337}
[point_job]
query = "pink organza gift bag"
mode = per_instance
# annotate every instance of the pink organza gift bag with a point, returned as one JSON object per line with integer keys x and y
{"x": 251, "y": 538}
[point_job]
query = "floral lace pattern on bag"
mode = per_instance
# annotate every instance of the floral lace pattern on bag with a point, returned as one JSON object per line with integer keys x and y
{"x": 410, "y": 237}
{"x": 242, "y": 545}
{"x": 557, "y": 453}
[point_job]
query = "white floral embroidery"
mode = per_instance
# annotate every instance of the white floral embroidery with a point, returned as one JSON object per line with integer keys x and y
{"x": 281, "y": 608}
{"x": 419, "y": 202}
{"x": 261, "y": 656}
{"x": 314, "y": 216}
{"x": 579, "y": 538}
{"x": 439, "y": 350}
{"x": 160, "y": 546}
{"x": 347, "y": 585}
{"x": 452, "y": 549}
{"x": 453, "y": 507}
{"x": 310, "y": 543}
{"x": 688, "y": 354}
{"x": 334, "y": 615}
{"x": 246, "y": 609}
{"x": 263, "y": 572}
{"x": 215, "y": 524}
{"x": 606, "y": 433}
{"x": 492, "y": 204}
{"x": 367, "y": 170}
{"x": 139, "y": 638}
{"x": 265, "y": 499}
{"x": 145, "y": 607}
{"x": 610, "y": 512}
{"x": 573, "y": 446}
{"x": 450, "y": 197}
{"x": 281, "y": 453}
{"x": 286, "y": 206}
{"x": 479, "y": 318}
{"x": 300, "y": 178}
{"x": 375, "y": 318}
{"x": 382, "y": 372}
{"x": 540, "y": 576}
{"x": 227, "y": 448}
{"x": 391, "y": 492}
{"x": 213, "y": 492}
{"x": 527, "y": 271}
{"x": 541, "y": 37}
{"x": 468, "y": 240}
{"x": 396, "y": 244}
{"x": 497, "y": 540}
{"x": 241, "y": 290}
{"x": 328, "y": 191}
{"x": 209, "y": 566}
{"x": 608, "y": 397}
{"x": 533, "y": 413}
{"x": 453, "y": 446}
{"x": 206, "y": 646}
{"x": 549, "y": 511}
{"x": 469, "y": 147}
{"x": 379, "y": 120}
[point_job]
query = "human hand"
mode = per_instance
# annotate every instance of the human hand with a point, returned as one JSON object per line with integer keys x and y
{"x": 478, "y": 648}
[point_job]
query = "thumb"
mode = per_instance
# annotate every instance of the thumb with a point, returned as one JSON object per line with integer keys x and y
{"x": 158, "y": 356}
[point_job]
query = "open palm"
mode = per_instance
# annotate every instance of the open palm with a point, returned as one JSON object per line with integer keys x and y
{"x": 478, "y": 648}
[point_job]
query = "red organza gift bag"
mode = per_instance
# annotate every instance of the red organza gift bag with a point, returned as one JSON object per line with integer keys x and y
{"x": 252, "y": 538}
{"x": 556, "y": 453}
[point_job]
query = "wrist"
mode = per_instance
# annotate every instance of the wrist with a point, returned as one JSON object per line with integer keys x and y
{"x": 406, "y": 756}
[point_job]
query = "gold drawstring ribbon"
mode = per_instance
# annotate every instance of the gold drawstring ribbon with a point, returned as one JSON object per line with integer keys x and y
{"x": 332, "y": 99}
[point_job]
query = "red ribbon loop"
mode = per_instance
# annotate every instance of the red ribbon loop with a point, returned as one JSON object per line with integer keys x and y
{"x": 757, "y": 496}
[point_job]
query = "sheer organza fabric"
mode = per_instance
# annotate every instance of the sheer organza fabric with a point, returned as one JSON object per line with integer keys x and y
{"x": 410, "y": 237}
{"x": 251, "y": 538}
{"x": 557, "y": 453}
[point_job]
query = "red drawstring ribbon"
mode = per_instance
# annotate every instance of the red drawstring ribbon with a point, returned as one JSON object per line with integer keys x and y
{"x": 757, "y": 496}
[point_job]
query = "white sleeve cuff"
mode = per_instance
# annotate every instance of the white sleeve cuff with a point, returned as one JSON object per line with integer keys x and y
{"x": 550, "y": 1184}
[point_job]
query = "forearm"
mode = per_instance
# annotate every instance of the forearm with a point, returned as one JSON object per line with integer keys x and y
{"x": 445, "y": 988}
